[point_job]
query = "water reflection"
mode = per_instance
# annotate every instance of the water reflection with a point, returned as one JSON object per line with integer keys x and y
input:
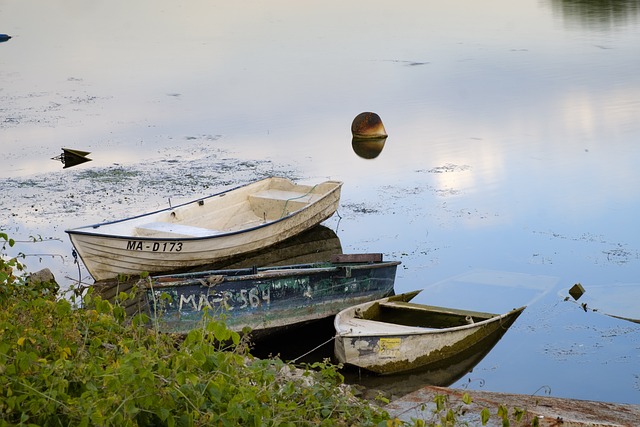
{"x": 514, "y": 144}
{"x": 315, "y": 245}
{"x": 368, "y": 148}
{"x": 70, "y": 157}
{"x": 488, "y": 290}
{"x": 597, "y": 14}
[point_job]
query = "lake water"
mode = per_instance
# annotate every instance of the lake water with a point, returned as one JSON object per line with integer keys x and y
{"x": 509, "y": 174}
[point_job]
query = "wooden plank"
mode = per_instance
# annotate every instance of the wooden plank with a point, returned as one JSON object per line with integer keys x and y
{"x": 372, "y": 328}
{"x": 408, "y": 306}
{"x": 373, "y": 257}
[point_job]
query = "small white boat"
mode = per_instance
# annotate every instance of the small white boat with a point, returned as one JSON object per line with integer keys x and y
{"x": 392, "y": 335}
{"x": 233, "y": 222}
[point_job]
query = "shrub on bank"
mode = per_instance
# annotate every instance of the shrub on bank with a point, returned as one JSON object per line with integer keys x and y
{"x": 60, "y": 365}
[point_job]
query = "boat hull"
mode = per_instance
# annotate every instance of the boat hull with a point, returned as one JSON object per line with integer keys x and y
{"x": 442, "y": 374}
{"x": 268, "y": 299}
{"x": 107, "y": 254}
{"x": 416, "y": 348}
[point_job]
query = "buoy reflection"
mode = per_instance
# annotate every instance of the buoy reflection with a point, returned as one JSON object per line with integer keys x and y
{"x": 368, "y": 148}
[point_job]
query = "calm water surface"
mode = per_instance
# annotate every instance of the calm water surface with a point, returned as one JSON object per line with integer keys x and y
{"x": 510, "y": 172}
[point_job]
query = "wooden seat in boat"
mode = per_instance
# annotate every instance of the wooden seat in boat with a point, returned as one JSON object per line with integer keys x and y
{"x": 167, "y": 229}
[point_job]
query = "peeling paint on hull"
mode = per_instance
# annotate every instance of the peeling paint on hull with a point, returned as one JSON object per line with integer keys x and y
{"x": 269, "y": 298}
{"x": 374, "y": 342}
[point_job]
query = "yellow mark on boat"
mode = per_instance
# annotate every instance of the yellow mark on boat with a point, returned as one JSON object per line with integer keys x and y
{"x": 389, "y": 347}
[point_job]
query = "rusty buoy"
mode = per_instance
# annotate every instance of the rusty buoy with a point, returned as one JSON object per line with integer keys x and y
{"x": 368, "y": 125}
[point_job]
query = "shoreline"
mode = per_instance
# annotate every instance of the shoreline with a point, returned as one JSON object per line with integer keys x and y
{"x": 549, "y": 411}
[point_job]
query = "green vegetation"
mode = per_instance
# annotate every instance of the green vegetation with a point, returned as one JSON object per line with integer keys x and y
{"x": 61, "y": 365}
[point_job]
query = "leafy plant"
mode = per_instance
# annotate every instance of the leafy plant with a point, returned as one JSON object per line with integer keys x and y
{"x": 7, "y": 266}
{"x": 447, "y": 414}
{"x": 64, "y": 365}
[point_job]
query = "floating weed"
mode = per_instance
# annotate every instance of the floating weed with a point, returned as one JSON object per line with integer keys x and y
{"x": 112, "y": 175}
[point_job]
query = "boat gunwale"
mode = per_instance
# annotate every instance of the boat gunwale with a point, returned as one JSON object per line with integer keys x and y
{"x": 187, "y": 279}
{"x": 343, "y": 332}
{"x": 85, "y": 230}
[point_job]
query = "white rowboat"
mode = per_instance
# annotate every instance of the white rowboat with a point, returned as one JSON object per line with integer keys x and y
{"x": 233, "y": 222}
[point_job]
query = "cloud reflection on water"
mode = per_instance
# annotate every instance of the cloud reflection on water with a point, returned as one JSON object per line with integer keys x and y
{"x": 513, "y": 136}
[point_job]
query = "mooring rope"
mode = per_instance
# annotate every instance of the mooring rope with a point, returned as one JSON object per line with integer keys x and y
{"x": 286, "y": 202}
{"x": 74, "y": 254}
{"x": 312, "y": 350}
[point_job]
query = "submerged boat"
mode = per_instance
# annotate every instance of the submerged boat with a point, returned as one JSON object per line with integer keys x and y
{"x": 267, "y": 299}
{"x": 393, "y": 335}
{"x": 213, "y": 228}
{"x": 618, "y": 300}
